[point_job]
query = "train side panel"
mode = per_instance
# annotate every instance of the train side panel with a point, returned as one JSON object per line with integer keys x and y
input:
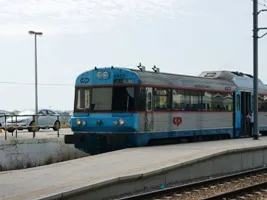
{"x": 192, "y": 123}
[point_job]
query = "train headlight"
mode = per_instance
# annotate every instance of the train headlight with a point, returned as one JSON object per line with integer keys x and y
{"x": 116, "y": 122}
{"x": 79, "y": 122}
{"x": 121, "y": 121}
{"x": 99, "y": 75}
{"x": 105, "y": 75}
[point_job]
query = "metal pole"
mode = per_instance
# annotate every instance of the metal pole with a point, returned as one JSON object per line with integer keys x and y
{"x": 255, "y": 68}
{"x": 5, "y": 128}
{"x": 36, "y": 80}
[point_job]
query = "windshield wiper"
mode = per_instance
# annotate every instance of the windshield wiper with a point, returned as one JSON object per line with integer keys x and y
{"x": 90, "y": 108}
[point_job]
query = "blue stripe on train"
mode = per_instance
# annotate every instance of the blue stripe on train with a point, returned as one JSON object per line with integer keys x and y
{"x": 141, "y": 139}
{"x": 107, "y": 142}
{"x": 92, "y": 141}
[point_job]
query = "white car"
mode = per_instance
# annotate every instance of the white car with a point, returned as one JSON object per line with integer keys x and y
{"x": 2, "y": 117}
{"x": 24, "y": 120}
{"x": 2, "y": 120}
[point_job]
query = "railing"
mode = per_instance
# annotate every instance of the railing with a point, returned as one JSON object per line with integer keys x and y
{"x": 13, "y": 123}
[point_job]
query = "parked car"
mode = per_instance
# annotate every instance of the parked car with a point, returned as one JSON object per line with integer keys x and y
{"x": 2, "y": 120}
{"x": 24, "y": 120}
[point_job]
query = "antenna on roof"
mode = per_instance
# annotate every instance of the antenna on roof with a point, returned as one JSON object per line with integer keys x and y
{"x": 155, "y": 69}
{"x": 95, "y": 68}
{"x": 142, "y": 68}
{"x": 112, "y": 67}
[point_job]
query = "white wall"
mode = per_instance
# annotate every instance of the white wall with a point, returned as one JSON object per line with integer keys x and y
{"x": 23, "y": 153}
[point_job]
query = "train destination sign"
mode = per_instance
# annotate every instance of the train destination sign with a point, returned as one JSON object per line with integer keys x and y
{"x": 123, "y": 81}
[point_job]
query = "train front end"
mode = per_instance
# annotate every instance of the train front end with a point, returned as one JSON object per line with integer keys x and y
{"x": 105, "y": 117}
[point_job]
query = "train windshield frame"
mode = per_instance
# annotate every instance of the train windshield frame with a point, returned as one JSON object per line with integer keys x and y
{"x": 105, "y": 99}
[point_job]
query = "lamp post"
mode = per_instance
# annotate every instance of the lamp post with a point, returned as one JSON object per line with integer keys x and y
{"x": 256, "y": 29}
{"x": 35, "y": 61}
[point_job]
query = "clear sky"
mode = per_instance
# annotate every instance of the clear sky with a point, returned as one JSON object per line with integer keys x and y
{"x": 179, "y": 36}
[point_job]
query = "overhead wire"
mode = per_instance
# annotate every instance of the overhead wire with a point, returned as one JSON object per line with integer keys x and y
{"x": 43, "y": 84}
{"x": 262, "y": 3}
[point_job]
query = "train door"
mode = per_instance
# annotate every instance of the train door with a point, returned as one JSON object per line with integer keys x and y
{"x": 149, "y": 116}
{"x": 245, "y": 106}
{"x": 237, "y": 114}
{"x": 242, "y": 103}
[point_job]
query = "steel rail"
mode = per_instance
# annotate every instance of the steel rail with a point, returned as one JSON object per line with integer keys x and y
{"x": 238, "y": 192}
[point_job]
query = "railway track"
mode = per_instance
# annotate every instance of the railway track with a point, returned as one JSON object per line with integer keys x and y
{"x": 245, "y": 185}
{"x": 254, "y": 192}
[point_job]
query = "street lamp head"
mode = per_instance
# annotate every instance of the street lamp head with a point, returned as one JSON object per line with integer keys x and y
{"x": 39, "y": 33}
{"x": 35, "y": 33}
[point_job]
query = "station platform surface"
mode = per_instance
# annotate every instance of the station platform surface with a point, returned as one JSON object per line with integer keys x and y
{"x": 40, "y": 182}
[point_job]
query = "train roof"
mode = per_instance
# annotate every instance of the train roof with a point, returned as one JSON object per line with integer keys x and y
{"x": 221, "y": 80}
{"x": 242, "y": 81}
{"x": 154, "y": 78}
{"x": 211, "y": 80}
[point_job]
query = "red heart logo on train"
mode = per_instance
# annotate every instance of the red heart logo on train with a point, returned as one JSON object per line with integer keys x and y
{"x": 177, "y": 120}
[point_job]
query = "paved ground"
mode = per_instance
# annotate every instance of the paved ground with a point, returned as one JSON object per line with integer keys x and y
{"x": 46, "y": 133}
{"x": 38, "y": 182}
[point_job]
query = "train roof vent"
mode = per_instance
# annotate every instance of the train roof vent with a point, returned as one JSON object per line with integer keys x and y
{"x": 155, "y": 69}
{"x": 249, "y": 75}
{"x": 238, "y": 73}
{"x": 242, "y": 74}
{"x": 210, "y": 74}
{"x": 141, "y": 67}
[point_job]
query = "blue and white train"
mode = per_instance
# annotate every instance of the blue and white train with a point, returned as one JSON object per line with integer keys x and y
{"x": 117, "y": 108}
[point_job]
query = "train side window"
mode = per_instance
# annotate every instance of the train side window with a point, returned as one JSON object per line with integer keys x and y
{"x": 238, "y": 102}
{"x": 221, "y": 101}
{"x": 149, "y": 96}
{"x": 162, "y": 99}
{"x": 149, "y": 101}
{"x": 206, "y": 101}
{"x": 227, "y": 101}
{"x": 140, "y": 98}
{"x": 262, "y": 103}
{"x": 193, "y": 100}
{"x": 178, "y": 99}
{"x": 149, "y": 105}
{"x": 217, "y": 101}
{"x": 186, "y": 100}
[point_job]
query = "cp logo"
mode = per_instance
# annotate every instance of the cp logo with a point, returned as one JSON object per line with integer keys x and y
{"x": 84, "y": 80}
{"x": 177, "y": 121}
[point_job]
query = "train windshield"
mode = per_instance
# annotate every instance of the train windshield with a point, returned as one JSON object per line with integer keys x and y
{"x": 117, "y": 99}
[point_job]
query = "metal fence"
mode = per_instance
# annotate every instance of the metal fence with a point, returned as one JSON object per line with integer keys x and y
{"x": 33, "y": 123}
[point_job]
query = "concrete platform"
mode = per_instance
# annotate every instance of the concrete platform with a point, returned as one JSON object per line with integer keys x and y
{"x": 131, "y": 170}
